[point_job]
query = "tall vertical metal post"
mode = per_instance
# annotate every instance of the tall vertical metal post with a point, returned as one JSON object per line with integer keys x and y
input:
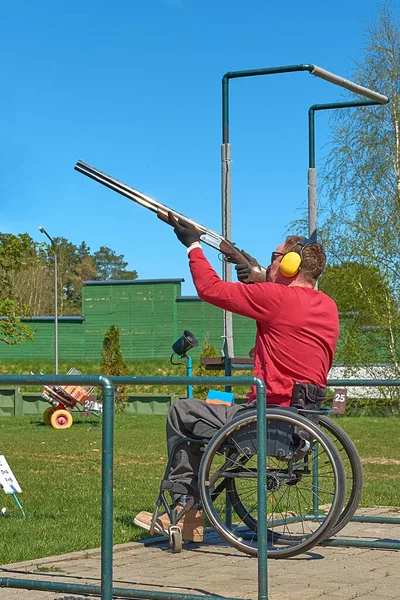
{"x": 228, "y": 348}
{"x": 312, "y": 181}
{"x": 107, "y": 501}
{"x": 55, "y": 309}
{"x": 312, "y": 172}
{"x": 189, "y": 373}
{"x": 53, "y": 244}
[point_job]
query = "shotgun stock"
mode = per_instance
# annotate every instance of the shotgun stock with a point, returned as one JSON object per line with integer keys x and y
{"x": 209, "y": 237}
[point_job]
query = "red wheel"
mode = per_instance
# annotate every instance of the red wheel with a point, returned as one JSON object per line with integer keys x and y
{"x": 61, "y": 419}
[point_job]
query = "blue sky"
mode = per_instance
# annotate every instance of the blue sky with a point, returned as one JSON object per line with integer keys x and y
{"x": 134, "y": 89}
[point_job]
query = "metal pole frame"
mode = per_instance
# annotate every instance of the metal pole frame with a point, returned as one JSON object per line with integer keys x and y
{"x": 382, "y": 544}
{"x": 313, "y": 234}
{"x": 189, "y": 372}
{"x": 312, "y": 173}
{"x": 53, "y": 245}
{"x": 55, "y": 309}
{"x": 106, "y": 590}
{"x": 376, "y": 97}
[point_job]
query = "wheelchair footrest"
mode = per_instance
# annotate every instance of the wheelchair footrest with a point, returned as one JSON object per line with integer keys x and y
{"x": 170, "y": 486}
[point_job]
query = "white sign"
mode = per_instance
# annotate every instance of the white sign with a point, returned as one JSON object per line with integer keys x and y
{"x": 92, "y": 406}
{"x": 7, "y": 479}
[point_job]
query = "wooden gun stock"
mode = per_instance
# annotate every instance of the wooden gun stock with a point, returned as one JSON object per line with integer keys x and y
{"x": 232, "y": 253}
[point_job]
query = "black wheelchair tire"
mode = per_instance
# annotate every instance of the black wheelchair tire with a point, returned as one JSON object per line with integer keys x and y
{"x": 299, "y": 543}
{"x": 356, "y": 487}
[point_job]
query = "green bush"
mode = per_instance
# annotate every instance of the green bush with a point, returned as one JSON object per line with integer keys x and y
{"x": 113, "y": 364}
{"x": 386, "y": 406}
{"x": 368, "y": 407}
{"x": 208, "y": 351}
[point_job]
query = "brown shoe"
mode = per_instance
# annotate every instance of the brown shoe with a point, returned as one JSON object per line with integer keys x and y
{"x": 191, "y": 523}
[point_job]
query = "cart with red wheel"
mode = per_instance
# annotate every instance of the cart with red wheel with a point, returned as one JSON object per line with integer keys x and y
{"x": 64, "y": 399}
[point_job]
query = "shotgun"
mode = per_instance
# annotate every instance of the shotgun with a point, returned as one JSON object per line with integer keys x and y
{"x": 213, "y": 239}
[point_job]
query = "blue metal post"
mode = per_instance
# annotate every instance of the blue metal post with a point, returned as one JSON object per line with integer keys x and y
{"x": 107, "y": 490}
{"x": 262, "y": 489}
{"x": 18, "y": 503}
{"x": 189, "y": 371}
{"x": 315, "y": 478}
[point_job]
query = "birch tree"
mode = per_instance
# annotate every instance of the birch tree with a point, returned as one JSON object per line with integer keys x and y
{"x": 361, "y": 186}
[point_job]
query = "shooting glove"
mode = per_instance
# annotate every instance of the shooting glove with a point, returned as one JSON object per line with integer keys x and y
{"x": 184, "y": 231}
{"x": 253, "y": 273}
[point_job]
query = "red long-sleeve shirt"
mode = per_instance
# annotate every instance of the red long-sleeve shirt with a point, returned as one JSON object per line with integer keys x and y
{"x": 297, "y": 327}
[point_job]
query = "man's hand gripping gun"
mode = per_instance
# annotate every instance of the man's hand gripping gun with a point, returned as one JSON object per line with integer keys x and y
{"x": 213, "y": 239}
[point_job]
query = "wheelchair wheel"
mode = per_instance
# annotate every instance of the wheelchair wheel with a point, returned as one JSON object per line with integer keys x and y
{"x": 175, "y": 540}
{"x": 305, "y": 483}
{"x": 353, "y": 469}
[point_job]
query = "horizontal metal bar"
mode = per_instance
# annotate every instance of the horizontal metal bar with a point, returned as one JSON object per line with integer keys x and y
{"x": 378, "y": 544}
{"x": 185, "y": 380}
{"x": 94, "y": 380}
{"x": 50, "y": 379}
{"x": 267, "y": 71}
{"x": 364, "y": 382}
{"x": 317, "y": 72}
{"x": 349, "y": 85}
{"x": 75, "y": 588}
{"x": 248, "y": 380}
{"x": 365, "y": 519}
{"x": 334, "y": 105}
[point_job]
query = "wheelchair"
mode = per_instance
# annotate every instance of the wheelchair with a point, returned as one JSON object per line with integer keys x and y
{"x": 314, "y": 482}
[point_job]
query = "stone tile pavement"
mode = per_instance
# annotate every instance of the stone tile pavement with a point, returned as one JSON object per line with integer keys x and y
{"x": 215, "y": 568}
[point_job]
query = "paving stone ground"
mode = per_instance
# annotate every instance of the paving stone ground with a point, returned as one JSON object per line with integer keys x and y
{"x": 216, "y": 568}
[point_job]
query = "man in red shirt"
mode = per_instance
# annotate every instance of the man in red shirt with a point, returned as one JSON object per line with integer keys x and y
{"x": 297, "y": 332}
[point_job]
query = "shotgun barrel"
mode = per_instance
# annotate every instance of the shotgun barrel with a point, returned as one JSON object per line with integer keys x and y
{"x": 208, "y": 236}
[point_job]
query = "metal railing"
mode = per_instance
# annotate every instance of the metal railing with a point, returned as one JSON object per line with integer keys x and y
{"x": 106, "y": 590}
{"x": 383, "y": 544}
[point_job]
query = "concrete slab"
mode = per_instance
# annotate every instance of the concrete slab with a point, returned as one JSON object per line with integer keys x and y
{"x": 216, "y": 568}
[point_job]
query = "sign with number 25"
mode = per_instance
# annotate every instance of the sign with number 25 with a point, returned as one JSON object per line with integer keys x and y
{"x": 339, "y": 400}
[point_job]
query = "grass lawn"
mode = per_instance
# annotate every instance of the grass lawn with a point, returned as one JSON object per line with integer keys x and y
{"x": 60, "y": 475}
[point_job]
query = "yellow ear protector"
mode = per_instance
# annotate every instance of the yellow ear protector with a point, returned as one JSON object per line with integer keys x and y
{"x": 290, "y": 264}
